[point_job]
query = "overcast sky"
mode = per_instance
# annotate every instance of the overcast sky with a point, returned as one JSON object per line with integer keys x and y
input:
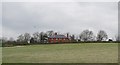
{"x": 73, "y": 17}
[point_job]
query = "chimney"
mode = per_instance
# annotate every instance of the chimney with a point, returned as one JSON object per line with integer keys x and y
{"x": 55, "y": 33}
{"x": 67, "y": 35}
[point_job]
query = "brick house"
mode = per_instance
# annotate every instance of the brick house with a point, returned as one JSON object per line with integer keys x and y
{"x": 58, "y": 38}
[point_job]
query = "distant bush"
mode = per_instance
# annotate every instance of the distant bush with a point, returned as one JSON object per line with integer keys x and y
{"x": 0, "y": 44}
{"x": 7, "y": 44}
{"x": 97, "y": 42}
{"x": 11, "y": 44}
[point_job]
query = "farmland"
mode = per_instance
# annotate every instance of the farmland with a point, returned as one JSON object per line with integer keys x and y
{"x": 62, "y": 53}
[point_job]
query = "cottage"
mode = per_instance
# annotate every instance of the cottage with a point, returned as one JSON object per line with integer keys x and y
{"x": 58, "y": 38}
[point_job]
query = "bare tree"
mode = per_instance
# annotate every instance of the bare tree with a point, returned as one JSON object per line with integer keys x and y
{"x": 117, "y": 37}
{"x": 27, "y": 37}
{"x": 102, "y": 35}
{"x": 72, "y": 37}
{"x": 11, "y": 39}
{"x": 87, "y": 35}
{"x": 4, "y": 39}
{"x": 50, "y": 33}
{"x": 24, "y": 37}
{"x": 20, "y": 38}
{"x": 45, "y": 38}
{"x": 37, "y": 36}
{"x": 42, "y": 37}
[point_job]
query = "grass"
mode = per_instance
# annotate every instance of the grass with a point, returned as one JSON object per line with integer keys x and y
{"x": 62, "y": 53}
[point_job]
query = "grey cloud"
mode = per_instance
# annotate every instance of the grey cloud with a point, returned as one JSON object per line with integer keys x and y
{"x": 70, "y": 17}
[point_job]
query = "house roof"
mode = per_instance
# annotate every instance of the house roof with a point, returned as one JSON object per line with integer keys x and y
{"x": 58, "y": 36}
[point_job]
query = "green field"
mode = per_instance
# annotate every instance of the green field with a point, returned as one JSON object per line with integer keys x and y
{"x": 62, "y": 53}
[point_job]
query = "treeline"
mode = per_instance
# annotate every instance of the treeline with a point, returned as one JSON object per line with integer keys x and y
{"x": 86, "y": 36}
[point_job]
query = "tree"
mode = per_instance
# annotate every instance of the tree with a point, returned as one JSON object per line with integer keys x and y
{"x": 27, "y": 37}
{"x": 32, "y": 40}
{"x": 117, "y": 37}
{"x": 42, "y": 37}
{"x": 87, "y": 35}
{"x": 50, "y": 33}
{"x": 45, "y": 38}
{"x": 102, "y": 35}
{"x": 11, "y": 39}
{"x": 20, "y": 38}
{"x": 4, "y": 39}
{"x": 72, "y": 37}
{"x": 24, "y": 37}
{"x": 37, "y": 36}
